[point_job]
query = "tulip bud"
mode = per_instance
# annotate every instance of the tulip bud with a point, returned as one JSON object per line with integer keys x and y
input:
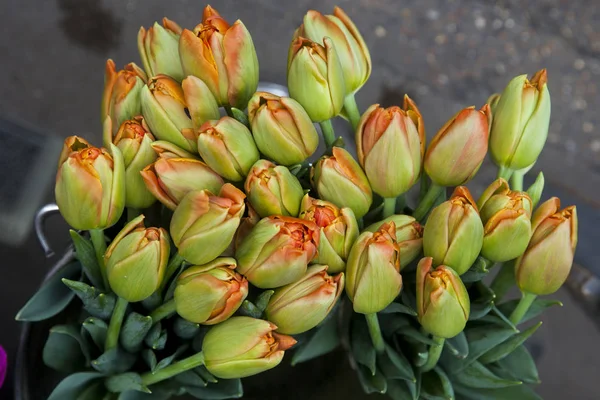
{"x": 201, "y": 103}
{"x": 373, "y": 270}
{"x": 339, "y": 231}
{"x": 136, "y": 260}
{"x": 506, "y": 226}
{"x": 521, "y": 120}
{"x": 203, "y": 224}
{"x": 159, "y": 49}
{"x": 243, "y": 346}
{"x": 226, "y": 145}
{"x": 121, "y": 98}
{"x": 409, "y": 236}
{"x": 90, "y": 185}
{"x": 166, "y": 112}
{"x": 458, "y": 149}
{"x": 282, "y": 129}
{"x": 535, "y": 190}
{"x": 164, "y": 149}
{"x": 453, "y": 234}
{"x": 388, "y": 145}
{"x": 170, "y": 179}
{"x": 277, "y": 251}
{"x": 209, "y": 294}
{"x": 246, "y": 225}
{"x": 349, "y": 44}
{"x": 340, "y": 180}
{"x": 443, "y": 304}
{"x": 546, "y": 263}
{"x": 223, "y": 56}
{"x": 304, "y": 304}
{"x": 316, "y": 78}
{"x": 273, "y": 190}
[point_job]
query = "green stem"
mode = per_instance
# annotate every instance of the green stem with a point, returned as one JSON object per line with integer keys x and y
{"x": 516, "y": 181}
{"x": 150, "y": 378}
{"x": 425, "y": 205}
{"x": 389, "y": 206}
{"x": 352, "y": 110}
{"x": 114, "y": 327}
{"x": 99, "y": 243}
{"x": 504, "y": 280}
{"x": 504, "y": 172}
{"x": 164, "y": 311}
{"x": 132, "y": 213}
{"x": 328, "y": 133}
{"x": 375, "y": 332}
{"x": 435, "y": 351}
{"x": 401, "y": 203}
{"x": 229, "y": 111}
{"x": 524, "y": 304}
{"x": 172, "y": 268}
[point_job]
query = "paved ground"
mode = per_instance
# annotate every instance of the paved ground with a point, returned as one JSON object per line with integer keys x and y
{"x": 445, "y": 54}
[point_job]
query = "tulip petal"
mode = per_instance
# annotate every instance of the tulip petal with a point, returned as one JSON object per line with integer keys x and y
{"x": 241, "y": 64}
{"x": 200, "y": 101}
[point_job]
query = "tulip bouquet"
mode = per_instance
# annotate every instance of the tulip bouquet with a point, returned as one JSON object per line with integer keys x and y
{"x": 241, "y": 233}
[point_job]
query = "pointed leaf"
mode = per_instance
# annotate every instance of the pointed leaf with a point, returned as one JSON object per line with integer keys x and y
{"x": 168, "y": 360}
{"x": 93, "y": 391}
{"x": 156, "y": 337}
{"x": 476, "y": 375}
{"x": 240, "y": 116}
{"x": 85, "y": 253}
{"x": 480, "y": 310}
{"x": 416, "y": 334}
{"x": 152, "y": 302}
{"x": 224, "y": 389}
{"x": 398, "y": 308}
{"x": 506, "y": 347}
{"x": 371, "y": 383}
{"x": 124, "y": 382}
{"x": 436, "y": 385}
{"x": 398, "y": 389}
{"x": 361, "y": 345}
{"x": 324, "y": 339}
{"x": 114, "y": 361}
{"x": 521, "y": 392}
{"x": 392, "y": 323}
{"x": 248, "y": 309}
{"x": 73, "y": 385}
{"x": 519, "y": 365}
{"x": 408, "y": 300}
{"x": 263, "y": 300}
{"x": 64, "y": 350}
{"x": 185, "y": 329}
{"x": 205, "y": 375}
{"x": 394, "y": 365}
{"x": 149, "y": 358}
{"x": 538, "y": 306}
{"x": 189, "y": 379}
{"x": 477, "y": 272}
{"x": 458, "y": 345}
{"x": 96, "y": 329}
{"x": 135, "y": 328}
{"x": 98, "y": 304}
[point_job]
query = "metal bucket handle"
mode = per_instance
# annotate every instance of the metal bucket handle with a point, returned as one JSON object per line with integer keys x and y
{"x": 40, "y": 218}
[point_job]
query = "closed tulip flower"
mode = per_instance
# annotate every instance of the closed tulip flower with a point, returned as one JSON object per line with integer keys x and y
{"x": 203, "y": 224}
{"x": 226, "y": 145}
{"x": 282, "y": 129}
{"x": 277, "y": 251}
{"x": 121, "y": 97}
{"x": 409, "y": 236}
{"x": 223, "y": 56}
{"x": 164, "y": 149}
{"x": 200, "y": 101}
{"x": 339, "y": 179}
{"x": 453, "y": 234}
{"x": 209, "y": 294}
{"x": 373, "y": 277}
{"x": 302, "y": 305}
{"x": 339, "y": 231}
{"x": 90, "y": 185}
{"x": 136, "y": 260}
{"x": 458, "y": 149}
{"x": 243, "y": 346}
{"x": 547, "y": 261}
{"x": 506, "y": 221}
{"x": 159, "y": 49}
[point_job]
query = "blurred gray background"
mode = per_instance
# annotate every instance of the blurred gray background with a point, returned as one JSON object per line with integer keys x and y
{"x": 445, "y": 54}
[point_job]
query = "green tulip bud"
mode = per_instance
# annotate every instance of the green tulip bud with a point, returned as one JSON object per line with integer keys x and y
{"x": 136, "y": 260}
{"x": 302, "y": 305}
{"x": 443, "y": 304}
{"x": 209, "y": 294}
{"x": 201, "y": 103}
{"x": 164, "y": 149}
{"x": 453, "y": 234}
{"x": 159, "y": 49}
{"x": 243, "y": 346}
{"x": 409, "y": 236}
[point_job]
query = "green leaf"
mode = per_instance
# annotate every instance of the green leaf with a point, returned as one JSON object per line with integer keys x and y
{"x": 477, "y": 272}
{"x": 262, "y": 300}
{"x": 399, "y": 389}
{"x": 224, "y": 389}
{"x": 96, "y": 329}
{"x": 124, "y": 382}
{"x": 171, "y": 289}
{"x": 436, "y": 385}
{"x": 248, "y": 309}
{"x": 205, "y": 375}
{"x": 190, "y": 378}
{"x": 394, "y": 365}
{"x": 135, "y": 328}
{"x": 152, "y": 302}
{"x": 98, "y": 304}
{"x": 398, "y": 308}
{"x": 476, "y": 375}
{"x": 521, "y": 392}
{"x": 416, "y": 334}
{"x": 168, "y": 360}
{"x": 538, "y": 306}
{"x": 361, "y": 345}
{"x": 52, "y": 297}
{"x": 518, "y": 365}
{"x": 93, "y": 391}
{"x": 114, "y": 361}
{"x": 64, "y": 350}
{"x": 185, "y": 329}
{"x": 458, "y": 345}
{"x": 408, "y": 300}
{"x": 371, "y": 383}
{"x": 85, "y": 253}
{"x": 149, "y": 358}
{"x": 135, "y": 395}
{"x": 73, "y": 385}
{"x": 156, "y": 337}
{"x": 420, "y": 353}
{"x": 324, "y": 339}
{"x": 392, "y": 323}
{"x": 506, "y": 347}
{"x": 480, "y": 310}
{"x": 240, "y": 116}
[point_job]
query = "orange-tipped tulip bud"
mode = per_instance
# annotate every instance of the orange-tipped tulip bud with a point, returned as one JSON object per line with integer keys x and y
{"x": 159, "y": 49}
{"x": 136, "y": 260}
{"x": 90, "y": 185}
{"x": 340, "y": 180}
{"x": 339, "y": 231}
{"x": 282, "y": 129}
{"x": 203, "y": 225}
{"x": 373, "y": 277}
{"x": 223, "y": 56}
{"x": 304, "y": 304}
{"x": 546, "y": 263}
{"x": 443, "y": 304}
{"x": 201, "y": 103}
{"x": 506, "y": 221}
{"x": 277, "y": 251}
{"x": 243, "y": 346}
{"x": 209, "y": 294}
{"x": 458, "y": 149}
{"x": 164, "y": 149}
{"x": 409, "y": 235}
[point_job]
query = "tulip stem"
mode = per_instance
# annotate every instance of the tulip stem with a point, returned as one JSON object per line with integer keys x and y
{"x": 164, "y": 311}
{"x": 375, "y": 332}
{"x": 504, "y": 280}
{"x": 352, "y": 110}
{"x": 516, "y": 181}
{"x": 99, "y": 243}
{"x": 114, "y": 327}
{"x": 389, "y": 206}
{"x": 504, "y": 172}
{"x": 172, "y": 268}
{"x": 150, "y": 378}
{"x": 526, "y": 301}
{"x": 328, "y": 133}
{"x": 435, "y": 351}
{"x": 428, "y": 201}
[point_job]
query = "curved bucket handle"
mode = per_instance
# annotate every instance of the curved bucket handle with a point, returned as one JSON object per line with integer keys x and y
{"x": 40, "y": 218}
